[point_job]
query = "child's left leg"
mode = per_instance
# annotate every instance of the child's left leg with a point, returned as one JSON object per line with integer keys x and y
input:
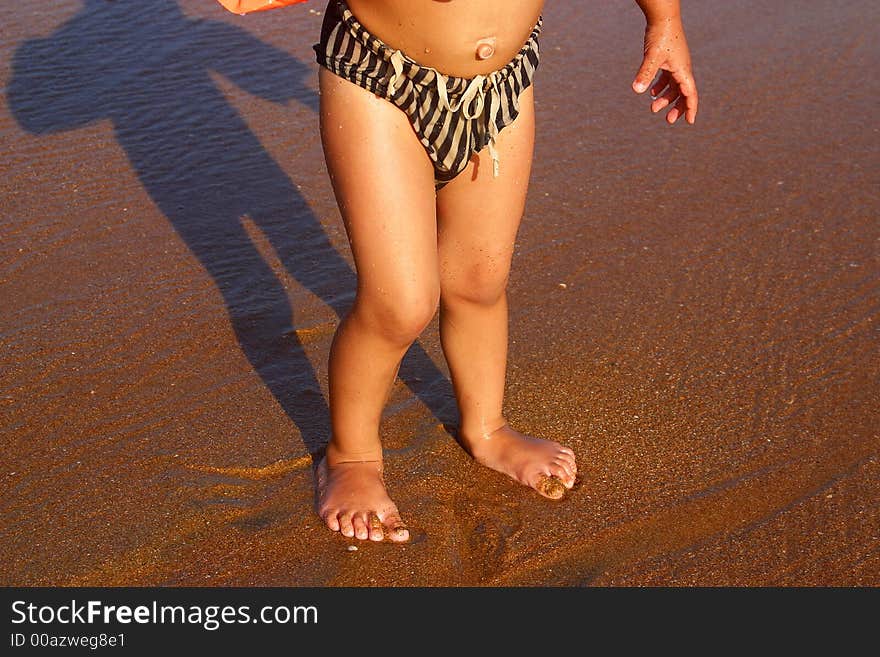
{"x": 477, "y": 219}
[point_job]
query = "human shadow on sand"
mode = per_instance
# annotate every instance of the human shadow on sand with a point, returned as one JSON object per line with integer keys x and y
{"x": 145, "y": 67}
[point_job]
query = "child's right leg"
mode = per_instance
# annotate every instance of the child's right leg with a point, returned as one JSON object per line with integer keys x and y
{"x": 384, "y": 185}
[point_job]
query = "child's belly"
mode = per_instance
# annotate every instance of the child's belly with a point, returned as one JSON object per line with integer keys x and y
{"x": 462, "y": 38}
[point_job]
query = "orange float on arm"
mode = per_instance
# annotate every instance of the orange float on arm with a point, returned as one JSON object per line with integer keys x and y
{"x": 249, "y": 6}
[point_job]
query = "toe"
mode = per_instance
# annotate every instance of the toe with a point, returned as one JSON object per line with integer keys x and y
{"x": 570, "y": 472}
{"x": 395, "y": 528}
{"x": 560, "y": 470}
{"x": 551, "y": 487}
{"x": 567, "y": 450}
{"x": 331, "y": 520}
{"x": 345, "y": 525}
{"x": 360, "y": 526}
{"x": 376, "y": 533}
{"x": 566, "y": 455}
{"x": 569, "y": 462}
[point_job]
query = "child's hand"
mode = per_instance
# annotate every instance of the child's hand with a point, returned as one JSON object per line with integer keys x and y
{"x": 666, "y": 50}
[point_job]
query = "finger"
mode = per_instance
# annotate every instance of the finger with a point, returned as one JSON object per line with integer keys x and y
{"x": 666, "y": 98}
{"x": 647, "y": 71}
{"x": 676, "y": 111}
{"x": 692, "y": 101}
{"x": 661, "y": 83}
{"x": 688, "y": 88}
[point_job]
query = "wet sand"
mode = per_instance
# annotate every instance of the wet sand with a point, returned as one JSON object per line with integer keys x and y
{"x": 694, "y": 310}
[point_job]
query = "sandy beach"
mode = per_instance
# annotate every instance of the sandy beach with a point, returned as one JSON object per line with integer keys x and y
{"x": 695, "y": 310}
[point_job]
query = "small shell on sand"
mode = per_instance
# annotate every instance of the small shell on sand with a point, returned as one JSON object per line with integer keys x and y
{"x": 352, "y": 548}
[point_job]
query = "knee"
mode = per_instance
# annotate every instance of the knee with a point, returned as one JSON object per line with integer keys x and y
{"x": 482, "y": 284}
{"x": 400, "y": 315}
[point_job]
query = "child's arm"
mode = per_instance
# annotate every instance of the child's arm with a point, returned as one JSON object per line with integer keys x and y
{"x": 666, "y": 50}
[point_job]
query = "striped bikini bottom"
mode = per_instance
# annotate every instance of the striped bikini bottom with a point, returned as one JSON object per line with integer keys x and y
{"x": 452, "y": 117}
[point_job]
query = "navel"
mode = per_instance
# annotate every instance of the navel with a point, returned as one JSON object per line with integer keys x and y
{"x": 485, "y": 48}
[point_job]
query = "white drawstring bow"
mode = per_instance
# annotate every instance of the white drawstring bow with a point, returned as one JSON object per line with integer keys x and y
{"x": 473, "y": 94}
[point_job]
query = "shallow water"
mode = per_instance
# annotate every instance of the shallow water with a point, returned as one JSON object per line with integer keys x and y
{"x": 173, "y": 266}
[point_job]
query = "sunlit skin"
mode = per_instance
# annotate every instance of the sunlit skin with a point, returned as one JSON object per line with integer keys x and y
{"x": 415, "y": 250}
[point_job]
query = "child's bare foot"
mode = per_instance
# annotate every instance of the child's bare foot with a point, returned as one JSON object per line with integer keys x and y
{"x": 546, "y": 466}
{"x": 352, "y": 500}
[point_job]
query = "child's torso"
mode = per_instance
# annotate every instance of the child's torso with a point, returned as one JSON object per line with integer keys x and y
{"x": 457, "y": 37}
